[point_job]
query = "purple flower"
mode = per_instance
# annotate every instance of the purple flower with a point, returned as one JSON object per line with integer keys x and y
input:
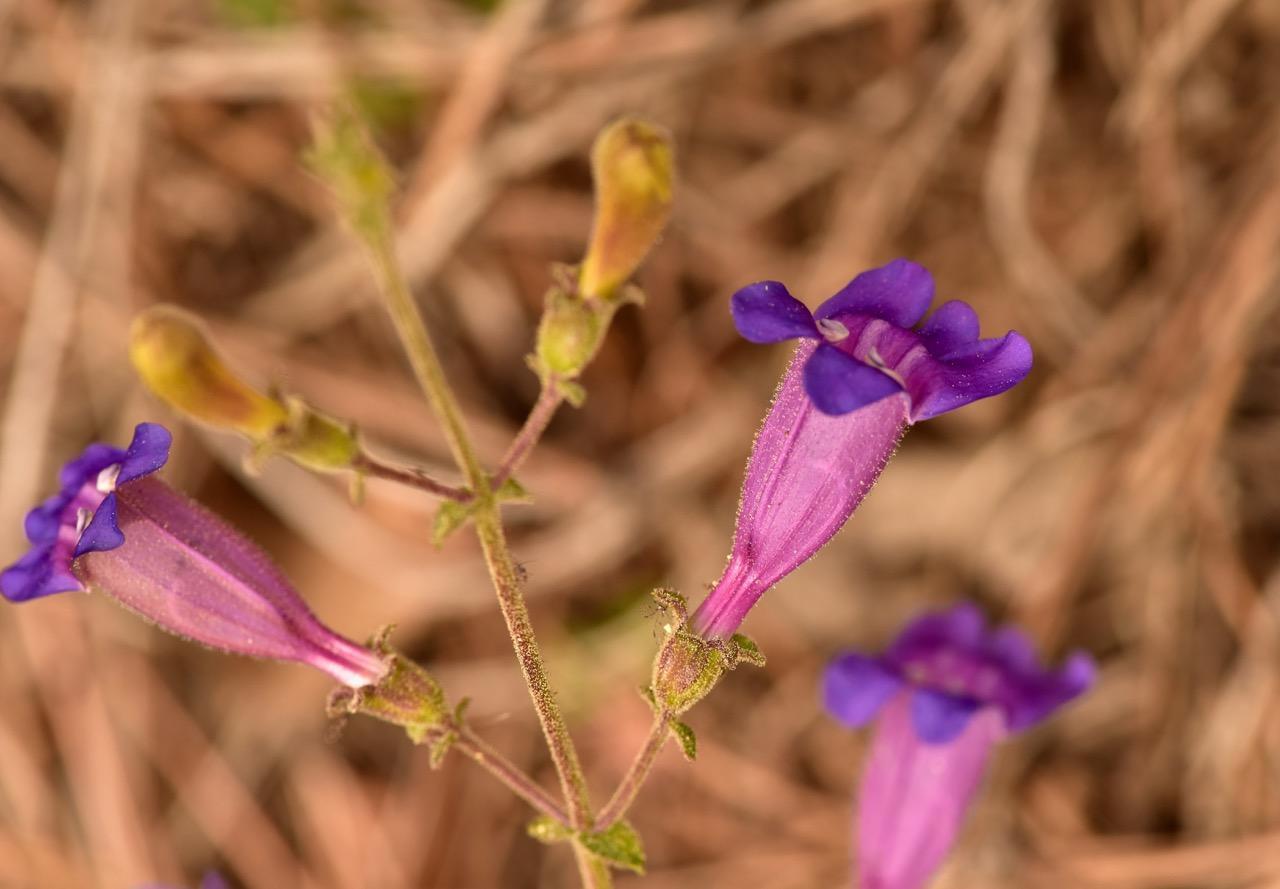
{"x": 114, "y": 529}
{"x": 867, "y": 349}
{"x": 858, "y": 379}
{"x": 943, "y": 694}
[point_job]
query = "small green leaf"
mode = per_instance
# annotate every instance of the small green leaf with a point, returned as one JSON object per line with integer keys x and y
{"x": 439, "y": 747}
{"x": 687, "y": 739}
{"x": 511, "y": 491}
{"x": 573, "y": 392}
{"x": 451, "y": 516}
{"x": 546, "y": 829}
{"x": 746, "y": 651}
{"x": 619, "y": 845}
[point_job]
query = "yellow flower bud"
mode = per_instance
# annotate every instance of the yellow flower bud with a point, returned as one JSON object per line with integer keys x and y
{"x": 172, "y": 352}
{"x": 634, "y": 171}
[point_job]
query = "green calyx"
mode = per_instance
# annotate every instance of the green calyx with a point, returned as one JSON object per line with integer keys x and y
{"x": 310, "y": 438}
{"x": 406, "y": 696}
{"x": 688, "y": 666}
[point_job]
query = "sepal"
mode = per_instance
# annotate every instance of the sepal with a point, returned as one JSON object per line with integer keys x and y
{"x": 687, "y": 740}
{"x": 569, "y": 334}
{"x": 686, "y": 669}
{"x": 406, "y": 696}
{"x": 745, "y": 651}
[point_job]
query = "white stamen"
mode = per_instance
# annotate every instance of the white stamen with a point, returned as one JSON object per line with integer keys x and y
{"x": 832, "y": 330}
{"x": 876, "y": 361}
{"x": 82, "y": 520}
{"x": 107, "y": 478}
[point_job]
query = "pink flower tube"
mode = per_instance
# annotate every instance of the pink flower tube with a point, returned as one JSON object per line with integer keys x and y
{"x": 807, "y": 474}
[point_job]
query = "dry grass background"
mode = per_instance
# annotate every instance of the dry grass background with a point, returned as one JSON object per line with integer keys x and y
{"x": 1104, "y": 176}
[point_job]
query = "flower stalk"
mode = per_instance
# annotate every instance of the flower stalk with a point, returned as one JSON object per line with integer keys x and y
{"x": 549, "y": 401}
{"x": 409, "y": 476}
{"x": 637, "y": 773}
{"x": 344, "y": 157}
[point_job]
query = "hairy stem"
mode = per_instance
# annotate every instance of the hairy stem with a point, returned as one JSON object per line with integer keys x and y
{"x": 593, "y": 872}
{"x": 635, "y": 777}
{"x": 425, "y": 361}
{"x": 488, "y": 758}
{"x": 549, "y": 400}
{"x": 409, "y": 476}
{"x": 488, "y": 524}
{"x": 505, "y": 581}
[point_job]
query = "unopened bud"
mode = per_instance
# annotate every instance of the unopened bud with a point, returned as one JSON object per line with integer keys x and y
{"x": 634, "y": 171}
{"x": 175, "y": 358}
{"x": 343, "y": 155}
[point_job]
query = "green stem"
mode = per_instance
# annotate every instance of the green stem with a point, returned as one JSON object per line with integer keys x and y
{"x": 631, "y": 783}
{"x": 488, "y": 524}
{"x": 593, "y": 872}
{"x": 425, "y": 361}
{"x": 507, "y": 584}
{"x": 488, "y": 758}
{"x": 549, "y": 399}
{"x": 409, "y": 476}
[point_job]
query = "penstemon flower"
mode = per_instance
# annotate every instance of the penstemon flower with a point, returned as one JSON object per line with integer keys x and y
{"x": 943, "y": 694}
{"x": 114, "y": 529}
{"x": 858, "y": 379}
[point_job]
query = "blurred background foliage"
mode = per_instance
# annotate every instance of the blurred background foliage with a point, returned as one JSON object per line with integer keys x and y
{"x": 1103, "y": 176}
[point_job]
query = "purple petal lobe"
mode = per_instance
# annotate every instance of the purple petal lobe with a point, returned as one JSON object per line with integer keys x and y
{"x": 939, "y": 717}
{"x": 1013, "y": 651}
{"x": 103, "y": 531}
{"x": 957, "y": 630}
{"x": 838, "y": 383}
{"x": 148, "y": 451}
{"x": 36, "y": 574}
{"x": 1039, "y": 694}
{"x": 953, "y": 326}
{"x": 767, "y": 313}
{"x": 986, "y": 368}
{"x": 42, "y": 522}
{"x": 85, "y": 468}
{"x": 899, "y": 292}
{"x": 854, "y": 688}
{"x": 914, "y": 796}
{"x": 807, "y": 473}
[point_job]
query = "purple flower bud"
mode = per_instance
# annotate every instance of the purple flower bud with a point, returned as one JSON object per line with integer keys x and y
{"x": 114, "y": 530}
{"x": 867, "y": 349}
{"x": 943, "y": 694}
{"x": 859, "y": 377}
